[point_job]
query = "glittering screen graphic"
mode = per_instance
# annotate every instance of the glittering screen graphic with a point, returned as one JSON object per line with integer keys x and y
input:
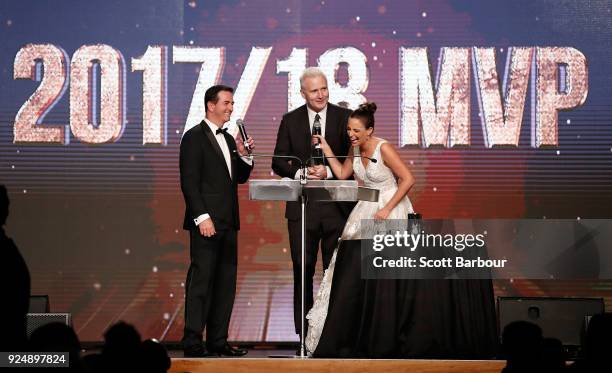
{"x": 501, "y": 110}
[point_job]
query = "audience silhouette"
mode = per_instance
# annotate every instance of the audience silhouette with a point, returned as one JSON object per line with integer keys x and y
{"x": 552, "y": 356}
{"x": 597, "y": 355}
{"x": 14, "y": 286}
{"x": 521, "y": 341}
{"x": 123, "y": 351}
{"x": 527, "y": 351}
{"x": 154, "y": 357}
{"x": 58, "y": 337}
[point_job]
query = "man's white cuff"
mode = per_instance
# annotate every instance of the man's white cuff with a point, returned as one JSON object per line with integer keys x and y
{"x": 200, "y": 219}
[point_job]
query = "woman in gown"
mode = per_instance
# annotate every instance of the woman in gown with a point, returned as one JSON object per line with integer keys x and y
{"x": 385, "y": 318}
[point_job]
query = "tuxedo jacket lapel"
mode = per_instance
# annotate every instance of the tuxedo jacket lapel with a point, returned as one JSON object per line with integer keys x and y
{"x": 304, "y": 132}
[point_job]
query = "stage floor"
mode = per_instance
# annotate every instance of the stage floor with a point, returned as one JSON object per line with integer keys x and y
{"x": 258, "y": 361}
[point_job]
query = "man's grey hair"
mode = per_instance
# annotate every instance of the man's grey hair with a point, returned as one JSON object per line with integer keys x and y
{"x": 311, "y": 72}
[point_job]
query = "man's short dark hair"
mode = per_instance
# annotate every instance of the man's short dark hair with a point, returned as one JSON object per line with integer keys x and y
{"x": 212, "y": 94}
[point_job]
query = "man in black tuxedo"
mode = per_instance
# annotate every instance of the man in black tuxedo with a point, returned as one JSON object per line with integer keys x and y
{"x": 324, "y": 220}
{"x": 212, "y": 165}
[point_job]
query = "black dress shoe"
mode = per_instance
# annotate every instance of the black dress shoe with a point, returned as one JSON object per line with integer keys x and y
{"x": 227, "y": 350}
{"x": 197, "y": 351}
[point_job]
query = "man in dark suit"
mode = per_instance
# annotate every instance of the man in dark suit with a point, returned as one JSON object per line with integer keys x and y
{"x": 212, "y": 165}
{"x": 324, "y": 220}
{"x": 14, "y": 286}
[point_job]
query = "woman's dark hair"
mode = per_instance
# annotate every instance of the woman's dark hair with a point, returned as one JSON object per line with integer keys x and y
{"x": 365, "y": 112}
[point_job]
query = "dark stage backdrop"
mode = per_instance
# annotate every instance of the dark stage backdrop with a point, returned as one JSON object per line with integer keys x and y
{"x": 95, "y": 95}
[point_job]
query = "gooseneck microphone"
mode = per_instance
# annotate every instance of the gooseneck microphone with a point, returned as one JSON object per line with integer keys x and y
{"x": 373, "y": 160}
{"x": 272, "y": 156}
{"x": 243, "y": 134}
{"x": 313, "y": 159}
{"x": 304, "y": 165}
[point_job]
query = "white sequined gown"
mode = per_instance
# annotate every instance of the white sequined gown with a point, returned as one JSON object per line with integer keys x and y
{"x": 374, "y": 175}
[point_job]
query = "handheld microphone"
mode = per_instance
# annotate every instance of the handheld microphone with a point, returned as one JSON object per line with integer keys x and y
{"x": 243, "y": 134}
{"x": 317, "y": 153}
{"x": 316, "y": 130}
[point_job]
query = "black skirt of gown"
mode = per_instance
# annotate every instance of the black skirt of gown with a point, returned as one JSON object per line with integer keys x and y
{"x": 405, "y": 318}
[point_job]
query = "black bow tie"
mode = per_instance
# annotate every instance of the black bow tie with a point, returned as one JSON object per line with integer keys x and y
{"x": 221, "y": 130}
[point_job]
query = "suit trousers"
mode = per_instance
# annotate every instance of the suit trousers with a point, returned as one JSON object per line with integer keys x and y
{"x": 324, "y": 224}
{"x": 210, "y": 287}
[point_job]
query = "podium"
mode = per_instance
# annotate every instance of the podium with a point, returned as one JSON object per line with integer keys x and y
{"x": 309, "y": 190}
